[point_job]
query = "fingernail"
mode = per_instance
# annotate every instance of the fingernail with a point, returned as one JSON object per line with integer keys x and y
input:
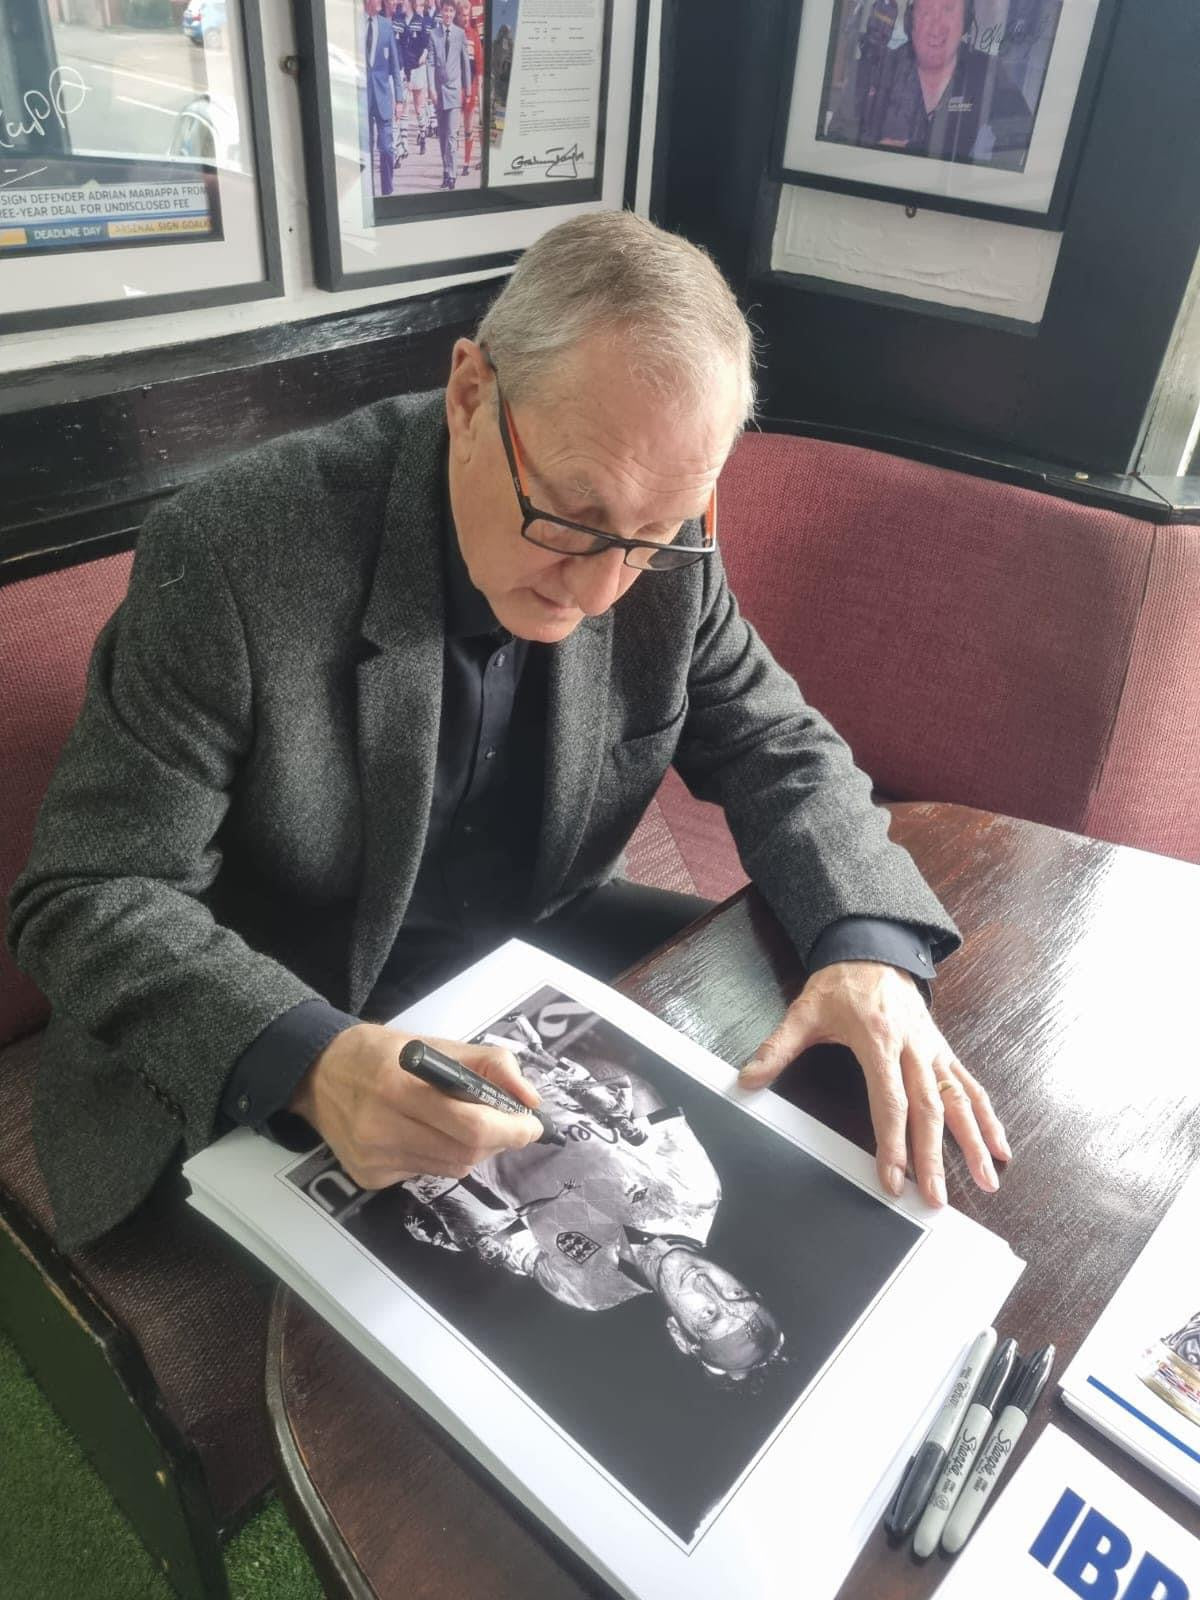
{"x": 1005, "y": 1147}
{"x": 752, "y": 1069}
{"x": 937, "y": 1188}
{"x": 895, "y": 1179}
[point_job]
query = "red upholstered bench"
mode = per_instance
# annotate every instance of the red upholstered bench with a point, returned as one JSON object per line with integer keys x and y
{"x": 973, "y": 641}
{"x": 150, "y": 1343}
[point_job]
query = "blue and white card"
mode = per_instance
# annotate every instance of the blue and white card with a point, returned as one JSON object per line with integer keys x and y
{"x": 1066, "y": 1525}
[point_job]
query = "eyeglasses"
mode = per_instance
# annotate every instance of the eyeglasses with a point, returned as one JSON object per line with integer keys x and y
{"x": 577, "y": 539}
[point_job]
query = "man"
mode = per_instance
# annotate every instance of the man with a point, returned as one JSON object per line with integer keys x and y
{"x": 450, "y": 73}
{"x": 384, "y": 693}
{"x": 385, "y": 92}
{"x": 621, "y": 1208}
{"x": 936, "y": 96}
{"x": 412, "y": 40}
{"x": 470, "y": 114}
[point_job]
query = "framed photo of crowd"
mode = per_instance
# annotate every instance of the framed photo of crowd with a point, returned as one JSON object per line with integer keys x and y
{"x": 973, "y": 106}
{"x": 443, "y": 136}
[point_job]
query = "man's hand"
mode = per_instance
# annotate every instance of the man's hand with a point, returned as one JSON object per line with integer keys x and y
{"x": 914, "y": 1079}
{"x": 383, "y": 1124}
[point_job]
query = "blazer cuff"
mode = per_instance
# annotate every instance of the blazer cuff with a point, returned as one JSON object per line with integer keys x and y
{"x": 268, "y": 1071}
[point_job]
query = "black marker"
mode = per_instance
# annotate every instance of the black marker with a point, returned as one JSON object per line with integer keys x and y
{"x": 962, "y": 1453}
{"x": 990, "y": 1462}
{"x": 460, "y": 1083}
{"x": 926, "y": 1466}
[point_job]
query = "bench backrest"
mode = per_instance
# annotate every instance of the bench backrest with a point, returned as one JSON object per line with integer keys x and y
{"x": 978, "y": 642}
{"x": 47, "y": 628}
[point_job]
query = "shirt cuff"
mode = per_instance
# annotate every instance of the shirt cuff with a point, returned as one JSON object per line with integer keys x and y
{"x": 897, "y": 944}
{"x": 268, "y": 1071}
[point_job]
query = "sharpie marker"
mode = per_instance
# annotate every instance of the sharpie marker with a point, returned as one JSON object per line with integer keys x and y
{"x": 989, "y": 1464}
{"x": 460, "y": 1083}
{"x": 962, "y": 1453}
{"x": 926, "y": 1466}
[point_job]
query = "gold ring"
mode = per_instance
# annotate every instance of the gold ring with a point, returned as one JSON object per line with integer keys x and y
{"x": 946, "y": 1083}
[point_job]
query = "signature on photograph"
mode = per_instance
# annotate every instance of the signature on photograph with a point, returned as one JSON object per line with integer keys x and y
{"x": 64, "y": 93}
{"x": 559, "y": 163}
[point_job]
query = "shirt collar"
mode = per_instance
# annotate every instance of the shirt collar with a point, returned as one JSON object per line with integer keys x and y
{"x": 467, "y": 612}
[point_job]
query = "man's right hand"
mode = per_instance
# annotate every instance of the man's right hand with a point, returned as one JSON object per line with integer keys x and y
{"x": 384, "y": 1125}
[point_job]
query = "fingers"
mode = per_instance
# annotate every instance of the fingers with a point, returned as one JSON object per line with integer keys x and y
{"x": 964, "y": 1101}
{"x": 926, "y": 1120}
{"x": 795, "y": 1034}
{"x": 888, "y": 1101}
{"x": 498, "y": 1066}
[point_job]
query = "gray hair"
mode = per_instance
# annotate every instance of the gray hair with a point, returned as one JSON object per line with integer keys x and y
{"x": 612, "y": 272}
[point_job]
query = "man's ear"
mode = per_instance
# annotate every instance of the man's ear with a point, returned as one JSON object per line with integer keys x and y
{"x": 468, "y": 397}
{"x": 679, "y": 1339}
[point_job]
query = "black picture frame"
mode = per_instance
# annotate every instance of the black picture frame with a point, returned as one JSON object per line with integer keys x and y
{"x": 317, "y": 123}
{"x": 269, "y": 286}
{"x": 913, "y": 197}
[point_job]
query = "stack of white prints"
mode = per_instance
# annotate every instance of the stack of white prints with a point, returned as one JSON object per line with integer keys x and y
{"x": 1137, "y": 1374}
{"x": 1065, "y": 1525}
{"x": 693, "y": 1337}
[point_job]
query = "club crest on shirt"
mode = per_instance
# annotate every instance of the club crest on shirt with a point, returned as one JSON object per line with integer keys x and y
{"x": 575, "y": 1246}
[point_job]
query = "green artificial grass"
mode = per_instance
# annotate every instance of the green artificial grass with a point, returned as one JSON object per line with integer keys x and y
{"x": 62, "y": 1538}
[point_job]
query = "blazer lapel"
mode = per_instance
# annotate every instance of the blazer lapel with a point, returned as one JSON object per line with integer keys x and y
{"x": 399, "y": 700}
{"x": 576, "y": 730}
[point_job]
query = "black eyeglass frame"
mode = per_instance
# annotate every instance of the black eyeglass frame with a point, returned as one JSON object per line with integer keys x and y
{"x": 607, "y": 541}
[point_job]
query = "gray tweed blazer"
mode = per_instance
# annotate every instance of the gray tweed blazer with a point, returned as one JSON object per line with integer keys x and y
{"x": 238, "y": 815}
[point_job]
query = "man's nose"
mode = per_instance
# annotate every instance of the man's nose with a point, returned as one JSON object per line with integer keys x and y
{"x": 595, "y": 581}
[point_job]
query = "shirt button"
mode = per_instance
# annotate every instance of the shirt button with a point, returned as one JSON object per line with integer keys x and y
{"x": 489, "y": 755}
{"x": 243, "y": 1104}
{"x": 922, "y": 958}
{"x": 468, "y": 827}
{"x": 498, "y": 661}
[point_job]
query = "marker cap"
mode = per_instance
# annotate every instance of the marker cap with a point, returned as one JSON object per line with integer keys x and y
{"x": 995, "y": 1379}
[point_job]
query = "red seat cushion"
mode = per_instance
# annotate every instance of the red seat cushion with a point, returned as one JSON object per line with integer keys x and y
{"x": 48, "y": 625}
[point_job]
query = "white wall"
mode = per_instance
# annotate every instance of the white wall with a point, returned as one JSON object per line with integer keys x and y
{"x": 994, "y": 267}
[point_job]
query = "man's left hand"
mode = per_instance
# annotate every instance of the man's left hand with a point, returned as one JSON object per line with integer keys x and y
{"x": 915, "y": 1083}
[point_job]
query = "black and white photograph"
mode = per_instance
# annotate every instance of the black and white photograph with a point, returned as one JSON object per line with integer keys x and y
{"x": 665, "y": 1280}
{"x": 968, "y": 101}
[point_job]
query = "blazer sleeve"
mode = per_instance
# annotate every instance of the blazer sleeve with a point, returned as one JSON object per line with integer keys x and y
{"x": 801, "y": 812}
{"x": 109, "y": 917}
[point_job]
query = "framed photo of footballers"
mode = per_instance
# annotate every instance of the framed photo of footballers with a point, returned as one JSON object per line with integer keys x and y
{"x": 973, "y": 106}
{"x": 443, "y": 136}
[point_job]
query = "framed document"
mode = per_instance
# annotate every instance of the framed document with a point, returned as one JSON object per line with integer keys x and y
{"x": 973, "y": 106}
{"x": 135, "y": 170}
{"x": 443, "y": 136}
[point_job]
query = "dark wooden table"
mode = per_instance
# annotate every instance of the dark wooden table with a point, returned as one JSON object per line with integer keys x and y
{"x": 1074, "y": 999}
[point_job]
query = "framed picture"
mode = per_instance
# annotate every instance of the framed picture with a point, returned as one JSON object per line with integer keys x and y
{"x": 135, "y": 167}
{"x": 974, "y": 106}
{"x": 443, "y": 136}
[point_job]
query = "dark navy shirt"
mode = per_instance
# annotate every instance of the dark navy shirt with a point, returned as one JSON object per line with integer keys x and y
{"x": 411, "y": 39}
{"x": 476, "y": 871}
